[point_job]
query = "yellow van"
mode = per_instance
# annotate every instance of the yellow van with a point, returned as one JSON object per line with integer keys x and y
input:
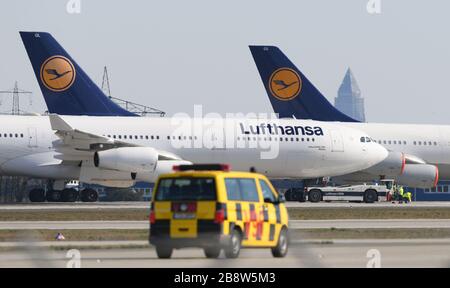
{"x": 210, "y": 207}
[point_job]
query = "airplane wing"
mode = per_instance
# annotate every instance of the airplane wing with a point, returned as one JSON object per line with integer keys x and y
{"x": 77, "y": 145}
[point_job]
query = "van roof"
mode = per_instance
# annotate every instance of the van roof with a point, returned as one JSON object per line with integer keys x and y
{"x": 212, "y": 173}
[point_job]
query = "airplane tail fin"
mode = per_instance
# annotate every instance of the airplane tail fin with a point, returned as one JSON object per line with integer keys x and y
{"x": 66, "y": 87}
{"x": 290, "y": 92}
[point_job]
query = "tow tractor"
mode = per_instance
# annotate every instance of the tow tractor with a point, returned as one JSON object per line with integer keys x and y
{"x": 368, "y": 193}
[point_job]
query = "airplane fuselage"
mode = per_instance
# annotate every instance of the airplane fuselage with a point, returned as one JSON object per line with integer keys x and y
{"x": 304, "y": 149}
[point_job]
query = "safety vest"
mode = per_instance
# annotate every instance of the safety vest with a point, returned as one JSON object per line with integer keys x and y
{"x": 400, "y": 191}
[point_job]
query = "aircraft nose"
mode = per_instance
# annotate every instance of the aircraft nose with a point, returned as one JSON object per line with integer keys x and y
{"x": 377, "y": 153}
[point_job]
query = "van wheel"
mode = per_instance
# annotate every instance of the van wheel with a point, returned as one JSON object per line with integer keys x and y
{"x": 212, "y": 252}
{"x": 164, "y": 252}
{"x": 234, "y": 246}
{"x": 282, "y": 246}
{"x": 315, "y": 195}
{"x": 370, "y": 196}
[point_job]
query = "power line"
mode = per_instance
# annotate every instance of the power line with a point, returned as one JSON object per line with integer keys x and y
{"x": 16, "y": 92}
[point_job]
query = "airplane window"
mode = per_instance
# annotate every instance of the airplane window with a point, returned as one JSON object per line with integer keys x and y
{"x": 429, "y": 143}
{"x": 10, "y": 135}
{"x": 297, "y": 139}
{"x": 435, "y": 143}
{"x": 389, "y": 142}
{"x": 120, "y": 136}
{"x": 379, "y": 141}
{"x": 307, "y": 139}
{"x": 6, "y": 135}
{"x": 384, "y": 141}
{"x": 414, "y": 142}
{"x": 363, "y": 139}
{"x": 152, "y": 137}
{"x": 395, "y": 142}
{"x": 292, "y": 139}
{"x": 303, "y": 139}
{"x": 179, "y": 137}
{"x": 420, "y": 142}
{"x": 190, "y": 137}
{"x": 184, "y": 137}
{"x": 424, "y": 142}
{"x": 157, "y": 137}
{"x": 404, "y": 142}
{"x": 313, "y": 140}
{"x": 281, "y": 139}
{"x": 135, "y": 137}
{"x": 124, "y": 136}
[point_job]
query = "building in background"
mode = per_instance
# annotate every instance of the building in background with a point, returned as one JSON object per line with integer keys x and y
{"x": 349, "y": 100}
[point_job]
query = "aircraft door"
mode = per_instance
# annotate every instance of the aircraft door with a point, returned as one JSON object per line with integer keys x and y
{"x": 337, "y": 143}
{"x": 32, "y": 137}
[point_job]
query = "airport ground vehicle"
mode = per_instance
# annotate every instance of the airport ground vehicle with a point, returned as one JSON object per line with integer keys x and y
{"x": 210, "y": 207}
{"x": 363, "y": 192}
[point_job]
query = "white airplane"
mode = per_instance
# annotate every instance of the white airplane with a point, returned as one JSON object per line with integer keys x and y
{"x": 118, "y": 151}
{"x": 418, "y": 154}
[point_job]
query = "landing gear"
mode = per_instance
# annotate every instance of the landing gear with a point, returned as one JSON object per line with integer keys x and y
{"x": 69, "y": 195}
{"x": 53, "y": 196}
{"x": 37, "y": 195}
{"x": 89, "y": 195}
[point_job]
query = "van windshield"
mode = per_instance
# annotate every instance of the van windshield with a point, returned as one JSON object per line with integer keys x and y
{"x": 182, "y": 189}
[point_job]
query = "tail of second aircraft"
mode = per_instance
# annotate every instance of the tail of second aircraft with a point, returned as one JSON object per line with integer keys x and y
{"x": 66, "y": 87}
{"x": 289, "y": 91}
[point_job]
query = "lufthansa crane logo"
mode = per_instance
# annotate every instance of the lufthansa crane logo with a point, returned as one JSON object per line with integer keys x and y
{"x": 57, "y": 73}
{"x": 285, "y": 84}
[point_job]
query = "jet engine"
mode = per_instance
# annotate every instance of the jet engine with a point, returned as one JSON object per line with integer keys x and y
{"x": 419, "y": 176}
{"x": 129, "y": 159}
{"x": 393, "y": 165}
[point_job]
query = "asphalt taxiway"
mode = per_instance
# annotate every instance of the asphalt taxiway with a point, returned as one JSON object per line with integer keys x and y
{"x": 146, "y": 205}
{"x": 293, "y": 224}
{"x": 352, "y": 254}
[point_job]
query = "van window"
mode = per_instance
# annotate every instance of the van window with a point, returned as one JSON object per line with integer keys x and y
{"x": 233, "y": 191}
{"x": 182, "y": 189}
{"x": 241, "y": 189}
{"x": 248, "y": 190}
{"x": 267, "y": 192}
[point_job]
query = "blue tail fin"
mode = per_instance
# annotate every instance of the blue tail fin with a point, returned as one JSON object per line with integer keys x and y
{"x": 289, "y": 91}
{"x": 66, "y": 88}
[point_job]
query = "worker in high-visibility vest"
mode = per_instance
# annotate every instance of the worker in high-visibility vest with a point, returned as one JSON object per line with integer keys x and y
{"x": 400, "y": 193}
{"x": 407, "y": 196}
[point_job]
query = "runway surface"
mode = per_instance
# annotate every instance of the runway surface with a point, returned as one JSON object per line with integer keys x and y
{"x": 146, "y": 205}
{"x": 355, "y": 254}
{"x": 294, "y": 224}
